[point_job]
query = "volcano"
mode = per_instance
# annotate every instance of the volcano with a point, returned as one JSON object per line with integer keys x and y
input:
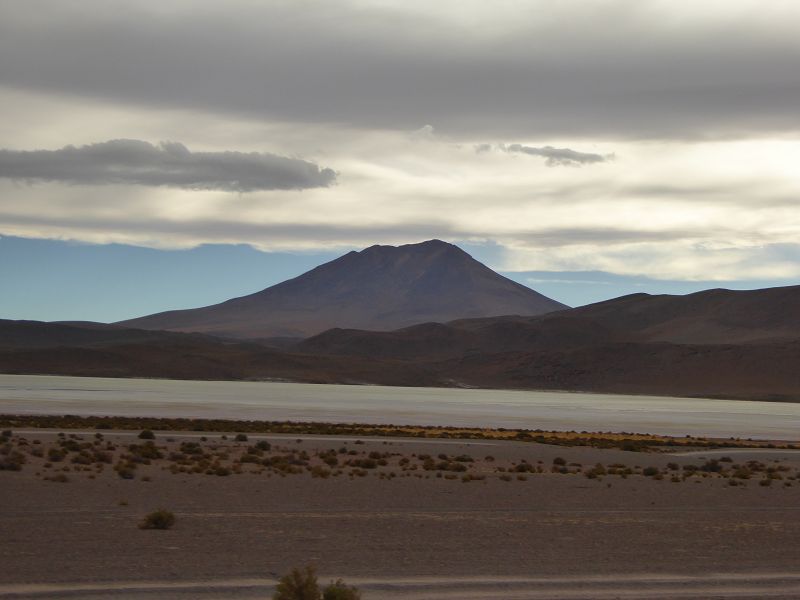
{"x": 380, "y": 288}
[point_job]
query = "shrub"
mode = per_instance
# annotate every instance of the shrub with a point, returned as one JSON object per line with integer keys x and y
{"x": 147, "y": 435}
{"x": 320, "y": 471}
{"x": 741, "y": 473}
{"x": 240, "y": 437}
{"x": 159, "y": 519}
{"x": 191, "y": 448}
{"x": 13, "y": 462}
{"x": 55, "y": 455}
{"x": 264, "y": 445}
{"x": 125, "y": 470}
{"x": 337, "y": 590}
{"x": 145, "y": 452}
{"x": 650, "y": 471}
{"x": 559, "y": 461}
{"x": 298, "y": 585}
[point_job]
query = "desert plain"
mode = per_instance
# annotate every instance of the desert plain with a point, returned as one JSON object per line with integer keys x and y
{"x": 398, "y": 517}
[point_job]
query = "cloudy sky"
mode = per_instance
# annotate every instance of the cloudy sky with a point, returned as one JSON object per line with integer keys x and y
{"x": 603, "y": 145}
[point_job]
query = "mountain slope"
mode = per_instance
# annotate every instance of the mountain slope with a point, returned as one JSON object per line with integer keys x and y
{"x": 714, "y": 344}
{"x": 36, "y": 334}
{"x": 708, "y": 317}
{"x": 436, "y": 341}
{"x": 380, "y": 288}
{"x": 715, "y": 316}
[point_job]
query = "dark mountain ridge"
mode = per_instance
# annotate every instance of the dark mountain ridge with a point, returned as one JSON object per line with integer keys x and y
{"x": 717, "y": 343}
{"x": 37, "y": 334}
{"x": 707, "y": 317}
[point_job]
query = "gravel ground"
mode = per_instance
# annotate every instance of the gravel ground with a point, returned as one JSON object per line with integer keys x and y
{"x": 411, "y": 535}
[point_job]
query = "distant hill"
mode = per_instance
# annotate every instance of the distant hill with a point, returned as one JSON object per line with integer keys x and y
{"x": 710, "y": 317}
{"x": 431, "y": 341}
{"x": 36, "y": 334}
{"x": 380, "y": 288}
{"x": 718, "y": 343}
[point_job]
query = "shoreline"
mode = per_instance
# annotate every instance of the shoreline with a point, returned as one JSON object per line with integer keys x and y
{"x": 628, "y": 441}
{"x": 455, "y": 386}
{"x": 555, "y": 411}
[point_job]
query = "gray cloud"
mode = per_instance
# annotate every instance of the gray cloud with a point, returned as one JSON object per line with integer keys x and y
{"x": 556, "y": 156}
{"x": 168, "y": 164}
{"x": 224, "y": 231}
{"x": 557, "y": 237}
{"x": 612, "y": 68}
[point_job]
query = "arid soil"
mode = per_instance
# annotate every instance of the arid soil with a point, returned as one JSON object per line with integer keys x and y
{"x": 518, "y": 520}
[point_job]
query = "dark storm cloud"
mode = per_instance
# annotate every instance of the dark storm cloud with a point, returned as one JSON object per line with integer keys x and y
{"x": 168, "y": 164}
{"x": 612, "y": 68}
{"x": 556, "y": 156}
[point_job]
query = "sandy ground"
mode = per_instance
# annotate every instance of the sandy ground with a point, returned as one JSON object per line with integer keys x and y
{"x": 411, "y": 536}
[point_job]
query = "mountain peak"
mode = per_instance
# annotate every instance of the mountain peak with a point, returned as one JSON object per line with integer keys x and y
{"x": 428, "y": 246}
{"x": 379, "y": 288}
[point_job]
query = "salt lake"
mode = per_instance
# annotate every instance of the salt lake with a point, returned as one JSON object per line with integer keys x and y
{"x": 41, "y": 394}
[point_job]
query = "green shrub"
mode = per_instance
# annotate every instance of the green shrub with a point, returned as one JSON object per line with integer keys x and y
{"x": 159, "y": 519}
{"x": 147, "y": 435}
{"x": 145, "y": 452}
{"x": 298, "y": 584}
{"x": 650, "y": 471}
{"x": 240, "y": 437}
{"x": 191, "y": 448}
{"x": 337, "y": 590}
{"x": 264, "y": 445}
